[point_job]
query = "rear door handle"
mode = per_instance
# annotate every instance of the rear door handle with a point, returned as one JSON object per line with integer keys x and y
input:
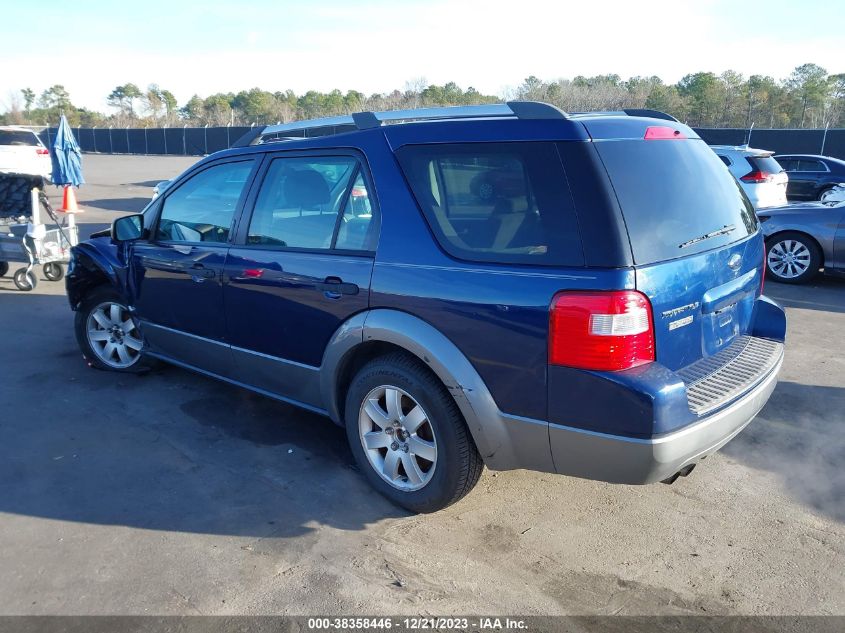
{"x": 335, "y": 287}
{"x": 200, "y": 273}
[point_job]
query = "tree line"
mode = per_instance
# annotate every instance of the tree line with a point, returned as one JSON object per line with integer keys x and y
{"x": 808, "y": 98}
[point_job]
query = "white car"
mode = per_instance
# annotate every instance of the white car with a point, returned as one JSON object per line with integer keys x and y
{"x": 22, "y": 152}
{"x": 760, "y": 175}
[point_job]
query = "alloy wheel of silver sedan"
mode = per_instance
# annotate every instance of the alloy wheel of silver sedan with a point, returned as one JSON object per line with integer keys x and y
{"x": 397, "y": 438}
{"x": 789, "y": 258}
{"x": 113, "y": 335}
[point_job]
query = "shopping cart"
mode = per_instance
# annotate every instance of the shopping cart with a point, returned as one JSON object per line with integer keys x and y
{"x": 25, "y": 238}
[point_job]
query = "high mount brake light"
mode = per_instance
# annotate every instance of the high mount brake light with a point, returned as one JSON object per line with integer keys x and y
{"x": 602, "y": 331}
{"x": 663, "y": 133}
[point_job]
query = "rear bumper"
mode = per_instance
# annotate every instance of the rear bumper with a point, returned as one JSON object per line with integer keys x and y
{"x": 627, "y": 460}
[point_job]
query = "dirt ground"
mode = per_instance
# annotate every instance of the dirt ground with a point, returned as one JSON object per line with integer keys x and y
{"x": 174, "y": 494}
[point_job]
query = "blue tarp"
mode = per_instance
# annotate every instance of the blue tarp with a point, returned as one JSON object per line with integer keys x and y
{"x": 67, "y": 159}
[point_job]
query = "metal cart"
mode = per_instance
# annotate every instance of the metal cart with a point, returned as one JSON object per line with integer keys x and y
{"x": 26, "y": 238}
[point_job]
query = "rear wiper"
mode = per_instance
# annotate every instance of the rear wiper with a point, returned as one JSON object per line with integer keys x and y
{"x": 728, "y": 228}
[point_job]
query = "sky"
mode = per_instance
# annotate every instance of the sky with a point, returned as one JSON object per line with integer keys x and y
{"x": 376, "y": 46}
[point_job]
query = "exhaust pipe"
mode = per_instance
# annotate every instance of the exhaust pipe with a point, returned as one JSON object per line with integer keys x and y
{"x": 685, "y": 471}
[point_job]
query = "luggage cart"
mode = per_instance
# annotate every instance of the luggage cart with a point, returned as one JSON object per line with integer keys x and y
{"x": 25, "y": 238}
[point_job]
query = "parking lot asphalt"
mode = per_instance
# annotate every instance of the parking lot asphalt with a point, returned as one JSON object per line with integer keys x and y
{"x": 171, "y": 493}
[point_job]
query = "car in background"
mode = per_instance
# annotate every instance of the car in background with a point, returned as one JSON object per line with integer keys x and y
{"x": 801, "y": 238}
{"x": 812, "y": 177}
{"x": 22, "y": 152}
{"x": 159, "y": 189}
{"x": 760, "y": 175}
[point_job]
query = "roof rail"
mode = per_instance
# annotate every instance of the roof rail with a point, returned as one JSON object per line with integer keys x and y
{"x": 368, "y": 120}
{"x": 644, "y": 112}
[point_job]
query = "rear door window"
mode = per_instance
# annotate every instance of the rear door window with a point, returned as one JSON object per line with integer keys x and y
{"x": 496, "y": 202}
{"x": 313, "y": 203}
{"x": 676, "y": 197}
{"x": 811, "y": 165}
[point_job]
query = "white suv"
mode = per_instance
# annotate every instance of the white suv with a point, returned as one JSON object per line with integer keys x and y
{"x": 22, "y": 152}
{"x": 760, "y": 175}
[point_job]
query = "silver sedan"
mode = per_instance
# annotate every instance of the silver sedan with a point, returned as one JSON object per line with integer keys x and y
{"x": 803, "y": 238}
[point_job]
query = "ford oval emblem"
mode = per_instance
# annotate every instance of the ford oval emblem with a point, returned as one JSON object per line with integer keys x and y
{"x": 734, "y": 261}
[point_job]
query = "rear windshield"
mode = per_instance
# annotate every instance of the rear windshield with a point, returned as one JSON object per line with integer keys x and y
{"x": 17, "y": 137}
{"x": 766, "y": 164}
{"x": 676, "y": 196}
{"x": 496, "y": 202}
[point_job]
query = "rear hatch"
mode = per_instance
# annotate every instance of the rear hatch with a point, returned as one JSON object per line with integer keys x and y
{"x": 697, "y": 253}
{"x": 768, "y": 177}
{"x": 20, "y": 150}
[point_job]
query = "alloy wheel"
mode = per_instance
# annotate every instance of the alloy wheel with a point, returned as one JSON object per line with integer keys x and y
{"x": 398, "y": 438}
{"x": 113, "y": 335}
{"x": 789, "y": 259}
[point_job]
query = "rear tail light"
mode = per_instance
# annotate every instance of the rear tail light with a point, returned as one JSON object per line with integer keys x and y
{"x": 603, "y": 331}
{"x": 42, "y": 151}
{"x": 757, "y": 176}
{"x": 662, "y": 132}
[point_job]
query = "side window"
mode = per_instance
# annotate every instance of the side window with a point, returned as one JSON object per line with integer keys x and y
{"x": 811, "y": 165}
{"x": 725, "y": 159}
{"x": 496, "y": 202}
{"x": 358, "y": 228}
{"x": 300, "y": 200}
{"x": 201, "y": 209}
{"x": 787, "y": 163}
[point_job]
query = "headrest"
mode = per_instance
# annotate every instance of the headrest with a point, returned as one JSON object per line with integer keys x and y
{"x": 305, "y": 188}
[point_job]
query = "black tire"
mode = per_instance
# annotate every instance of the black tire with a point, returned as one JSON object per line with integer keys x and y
{"x": 458, "y": 464}
{"x": 792, "y": 240}
{"x": 94, "y": 298}
{"x": 25, "y": 280}
{"x": 822, "y": 191}
{"x": 53, "y": 271}
{"x": 4, "y": 268}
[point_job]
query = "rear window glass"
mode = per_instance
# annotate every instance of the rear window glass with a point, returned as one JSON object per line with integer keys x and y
{"x": 677, "y": 198}
{"x": 766, "y": 164}
{"x": 18, "y": 137}
{"x": 496, "y": 202}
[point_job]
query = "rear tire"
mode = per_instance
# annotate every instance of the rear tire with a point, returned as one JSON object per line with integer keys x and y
{"x": 107, "y": 334}
{"x": 419, "y": 451}
{"x": 792, "y": 258}
{"x": 824, "y": 193}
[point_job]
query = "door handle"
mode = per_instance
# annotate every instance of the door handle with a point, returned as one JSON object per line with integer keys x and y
{"x": 200, "y": 273}
{"x": 335, "y": 288}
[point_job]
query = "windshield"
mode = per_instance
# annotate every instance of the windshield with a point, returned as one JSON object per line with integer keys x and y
{"x": 676, "y": 196}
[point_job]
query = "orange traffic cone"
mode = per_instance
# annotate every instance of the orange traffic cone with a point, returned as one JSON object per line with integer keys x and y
{"x": 69, "y": 201}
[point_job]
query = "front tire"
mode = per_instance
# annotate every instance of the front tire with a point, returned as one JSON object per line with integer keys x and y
{"x": 792, "y": 258}
{"x": 408, "y": 436}
{"x": 107, "y": 333}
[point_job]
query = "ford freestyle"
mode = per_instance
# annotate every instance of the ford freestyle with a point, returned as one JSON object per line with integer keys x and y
{"x": 504, "y": 285}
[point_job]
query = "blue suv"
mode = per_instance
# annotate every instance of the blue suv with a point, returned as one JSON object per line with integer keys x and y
{"x": 507, "y": 285}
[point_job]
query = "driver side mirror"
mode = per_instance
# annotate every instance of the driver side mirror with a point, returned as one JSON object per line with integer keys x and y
{"x": 128, "y": 228}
